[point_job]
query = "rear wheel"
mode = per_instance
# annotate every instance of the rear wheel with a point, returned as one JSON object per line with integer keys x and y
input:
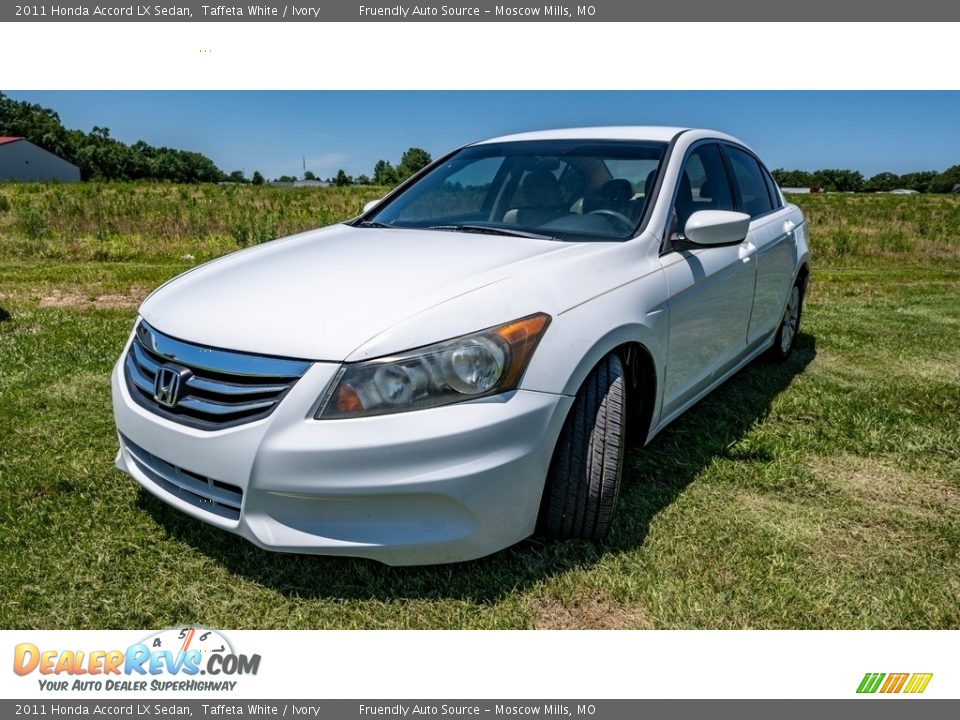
{"x": 789, "y": 326}
{"x": 584, "y": 478}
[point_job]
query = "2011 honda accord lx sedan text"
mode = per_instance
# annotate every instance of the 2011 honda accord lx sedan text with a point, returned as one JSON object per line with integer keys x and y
{"x": 462, "y": 364}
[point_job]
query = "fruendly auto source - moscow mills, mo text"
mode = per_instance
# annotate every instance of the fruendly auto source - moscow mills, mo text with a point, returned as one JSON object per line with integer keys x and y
{"x": 56, "y": 11}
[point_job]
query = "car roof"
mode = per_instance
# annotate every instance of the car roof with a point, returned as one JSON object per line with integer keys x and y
{"x": 654, "y": 133}
{"x": 626, "y": 132}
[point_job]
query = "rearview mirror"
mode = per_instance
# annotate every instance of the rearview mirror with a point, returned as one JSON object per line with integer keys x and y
{"x": 367, "y": 207}
{"x": 717, "y": 227}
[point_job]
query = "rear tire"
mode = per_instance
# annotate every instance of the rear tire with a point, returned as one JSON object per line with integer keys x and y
{"x": 786, "y": 337}
{"x": 584, "y": 477}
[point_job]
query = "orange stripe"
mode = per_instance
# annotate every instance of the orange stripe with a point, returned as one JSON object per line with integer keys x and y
{"x": 903, "y": 679}
{"x": 894, "y": 682}
{"x": 186, "y": 642}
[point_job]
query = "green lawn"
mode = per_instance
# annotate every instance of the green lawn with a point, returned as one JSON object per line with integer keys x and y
{"x": 824, "y": 493}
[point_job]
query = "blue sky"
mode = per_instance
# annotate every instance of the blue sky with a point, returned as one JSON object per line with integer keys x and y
{"x": 271, "y": 131}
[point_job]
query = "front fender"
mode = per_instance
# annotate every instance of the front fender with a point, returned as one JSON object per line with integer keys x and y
{"x": 581, "y": 336}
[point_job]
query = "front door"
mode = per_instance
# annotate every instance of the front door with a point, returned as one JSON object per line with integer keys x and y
{"x": 710, "y": 289}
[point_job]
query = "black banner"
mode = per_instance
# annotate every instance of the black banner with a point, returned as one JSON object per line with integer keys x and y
{"x": 483, "y": 11}
{"x": 853, "y": 709}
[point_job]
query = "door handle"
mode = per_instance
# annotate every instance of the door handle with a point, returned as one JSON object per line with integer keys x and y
{"x": 789, "y": 226}
{"x": 746, "y": 251}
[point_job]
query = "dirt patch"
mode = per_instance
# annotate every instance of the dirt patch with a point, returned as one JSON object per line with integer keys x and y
{"x": 127, "y": 300}
{"x": 57, "y": 298}
{"x": 889, "y": 488}
{"x": 938, "y": 367}
{"x": 592, "y": 614}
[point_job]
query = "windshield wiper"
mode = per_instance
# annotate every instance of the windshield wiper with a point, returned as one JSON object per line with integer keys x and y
{"x": 488, "y": 230}
{"x": 372, "y": 224}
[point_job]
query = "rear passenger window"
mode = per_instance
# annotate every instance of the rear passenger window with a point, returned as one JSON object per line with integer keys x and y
{"x": 749, "y": 179}
{"x": 771, "y": 188}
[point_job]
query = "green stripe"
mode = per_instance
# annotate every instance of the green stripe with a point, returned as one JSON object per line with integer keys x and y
{"x": 863, "y": 683}
{"x": 871, "y": 682}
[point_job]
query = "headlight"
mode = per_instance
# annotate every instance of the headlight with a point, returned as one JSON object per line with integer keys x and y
{"x": 471, "y": 366}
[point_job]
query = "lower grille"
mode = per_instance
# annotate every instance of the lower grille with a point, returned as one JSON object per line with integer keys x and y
{"x": 205, "y": 387}
{"x": 213, "y": 496}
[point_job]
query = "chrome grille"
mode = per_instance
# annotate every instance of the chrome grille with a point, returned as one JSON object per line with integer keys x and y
{"x": 215, "y": 388}
{"x": 214, "y": 496}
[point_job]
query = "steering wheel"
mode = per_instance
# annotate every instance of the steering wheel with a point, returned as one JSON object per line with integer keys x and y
{"x": 621, "y": 219}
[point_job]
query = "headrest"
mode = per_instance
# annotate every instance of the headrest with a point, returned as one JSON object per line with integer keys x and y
{"x": 648, "y": 184}
{"x": 541, "y": 189}
{"x": 617, "y": 191}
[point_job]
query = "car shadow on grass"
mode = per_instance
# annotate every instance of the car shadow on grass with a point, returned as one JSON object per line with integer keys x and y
{"x": 653, "y": 478}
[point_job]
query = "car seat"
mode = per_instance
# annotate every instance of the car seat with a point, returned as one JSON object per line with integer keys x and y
{"x": 542, "y": 198}
{"x": 615, "y": 195}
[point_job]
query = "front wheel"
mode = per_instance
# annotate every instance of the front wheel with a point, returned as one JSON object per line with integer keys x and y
{"x": 584, "y": 477}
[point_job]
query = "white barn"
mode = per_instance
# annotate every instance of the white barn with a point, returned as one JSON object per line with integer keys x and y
{"x": 21, "y": 160}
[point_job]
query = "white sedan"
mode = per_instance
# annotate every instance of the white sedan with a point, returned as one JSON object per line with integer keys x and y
{"x": 463, "y": 363}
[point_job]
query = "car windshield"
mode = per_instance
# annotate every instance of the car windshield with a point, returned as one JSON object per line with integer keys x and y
{"x": 558, "y": 189}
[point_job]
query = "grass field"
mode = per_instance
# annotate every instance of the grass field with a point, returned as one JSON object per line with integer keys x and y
{"x": 824, "y": 493}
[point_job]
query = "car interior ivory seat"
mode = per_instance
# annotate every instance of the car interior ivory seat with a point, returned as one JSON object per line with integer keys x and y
{"x": 542, "y": 200}
{"x": 615, "y": 195}
{"x": 708, "y": 196}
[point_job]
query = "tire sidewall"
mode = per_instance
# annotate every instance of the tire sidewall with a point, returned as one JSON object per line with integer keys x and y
{"x": 776, "y": 351}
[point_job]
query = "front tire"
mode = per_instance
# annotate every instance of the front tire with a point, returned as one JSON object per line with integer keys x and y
{"x": 584, "y": 477}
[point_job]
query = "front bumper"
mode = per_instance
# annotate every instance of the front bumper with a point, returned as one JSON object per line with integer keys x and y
{"x": 441, "y": 485}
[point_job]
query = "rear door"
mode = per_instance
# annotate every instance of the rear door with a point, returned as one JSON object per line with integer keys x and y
{"x": 772, "y": 239}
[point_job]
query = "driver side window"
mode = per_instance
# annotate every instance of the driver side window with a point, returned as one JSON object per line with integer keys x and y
{"x": 703, "y": 185}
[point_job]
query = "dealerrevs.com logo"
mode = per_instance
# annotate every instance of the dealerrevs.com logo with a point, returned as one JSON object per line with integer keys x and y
{"x": 910, "y": 683}
{"x": 168, "y": 660}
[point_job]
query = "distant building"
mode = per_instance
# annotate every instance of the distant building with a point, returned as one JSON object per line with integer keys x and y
{"x": 21, "y": 160}
{"x": 904, "y": 191}
{"x": 801, "y": 190}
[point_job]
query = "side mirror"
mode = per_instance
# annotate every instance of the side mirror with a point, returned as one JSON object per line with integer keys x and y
{"x": 370, "y": 205}
{"x": 717, "y": 227}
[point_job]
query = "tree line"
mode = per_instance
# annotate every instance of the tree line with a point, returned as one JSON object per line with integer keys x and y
{"x": 832, "y": 180}
{"x": 98, "y": 155}
{"x": 384, "y": 173}
{"x": 829, "y": 180}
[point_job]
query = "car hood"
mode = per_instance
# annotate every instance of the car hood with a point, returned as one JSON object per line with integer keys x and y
{"x": 320, "y": 295}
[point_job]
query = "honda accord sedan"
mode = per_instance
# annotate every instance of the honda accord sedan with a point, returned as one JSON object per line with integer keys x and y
{"x": 462, "y": 364}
